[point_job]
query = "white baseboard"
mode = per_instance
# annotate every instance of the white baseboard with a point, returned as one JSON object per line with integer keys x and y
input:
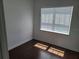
{"x": 18, "y": 44}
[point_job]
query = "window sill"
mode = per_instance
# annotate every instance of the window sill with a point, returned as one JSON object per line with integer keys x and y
{"x": 65, "y": 33}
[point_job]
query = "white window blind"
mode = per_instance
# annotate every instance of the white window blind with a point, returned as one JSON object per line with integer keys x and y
{"x": 56, "y": 19}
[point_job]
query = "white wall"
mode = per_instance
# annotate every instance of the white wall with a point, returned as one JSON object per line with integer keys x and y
{"x": 70, "y": 42}
{"x": 18, "y": 17}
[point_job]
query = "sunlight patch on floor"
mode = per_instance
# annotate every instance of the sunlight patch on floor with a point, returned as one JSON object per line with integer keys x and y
{"x": 41, "y": 46}
{"x": 51, "y": 49}
{"x": 56, "y": 51}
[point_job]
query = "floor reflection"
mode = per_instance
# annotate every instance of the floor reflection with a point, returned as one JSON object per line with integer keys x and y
{"x": 45, "y": 55}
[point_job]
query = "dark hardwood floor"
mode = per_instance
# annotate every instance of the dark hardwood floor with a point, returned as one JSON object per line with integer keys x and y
{"x": 28, "y": 51}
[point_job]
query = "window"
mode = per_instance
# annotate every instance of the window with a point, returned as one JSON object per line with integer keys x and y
{"x": 56, "y": 19}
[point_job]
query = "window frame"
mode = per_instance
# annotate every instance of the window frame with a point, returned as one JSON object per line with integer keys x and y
{"x": 59, "y": 32}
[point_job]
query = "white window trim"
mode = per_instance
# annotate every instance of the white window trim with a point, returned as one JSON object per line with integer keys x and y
{"x": 58, "y": 31}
